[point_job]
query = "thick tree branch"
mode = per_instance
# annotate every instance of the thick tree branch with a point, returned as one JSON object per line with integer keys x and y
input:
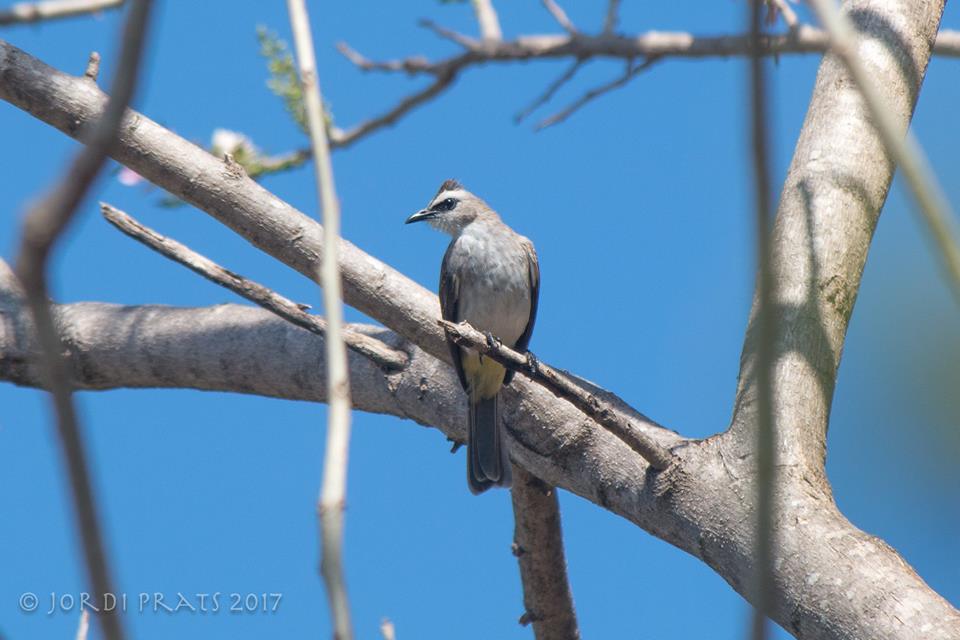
{"x": 835, "y": 188}
{"x": 564, "y": 387}
{"x": 27, "y": 12}
{"x": 538, "y": 546}
{"x": 270, "y": 300}
{"x": 902, "y": 146}
{"x": 699, "y": 506}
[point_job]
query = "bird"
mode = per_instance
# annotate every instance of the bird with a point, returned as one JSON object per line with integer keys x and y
{"x": 490, "y": 278}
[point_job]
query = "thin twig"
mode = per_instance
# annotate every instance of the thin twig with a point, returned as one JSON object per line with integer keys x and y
{"x": 449, "y": 34}
{"x": 668, "y": 44}
{"x": 333, "y": 493}
{"x": 93, "y": 66}
{"x": 550, "y": 91}
{"x": 613, "y": 16}
{"x": 903, "y": 147}
{"x": 560, "y": 16}
{"x": 413, "y": 65}
{"x": 538, "y": 546}
{"x": 632, "y": 71}
{"x": 340, "y": 139}
{"x": 25, "y": 12}
{"x": 487, "y": 19}
{"x": 42, "y": 227}
{"x": 548, "y": 377}
{"x": 378, "y": 352}
{"x": 766, "y": 329}
{"x": 264, "y": 165}
{"x": 650, "y": 46}
{"x": 784, "y": 9}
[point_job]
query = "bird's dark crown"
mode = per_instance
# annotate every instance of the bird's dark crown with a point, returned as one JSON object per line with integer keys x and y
{"x": 449, "y": 185}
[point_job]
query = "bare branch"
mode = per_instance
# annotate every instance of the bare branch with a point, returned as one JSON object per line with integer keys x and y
{"x": 333, "y": 494}
{"x": 449, "y": 34}
{"x": 560, "y": 16}
{"x": 41, "y": 228}
{"x": 487, "y": 19}
{"x": 281, "y": 162}
{"x": 613, "y": 16}
{"x": 668, "y": 44}
{"x": 413, "y": 65}
{"x": 648, "y": 46}
{"x": 538, "y": 546}
{"x": 903, "y": 147}
{"x": 784, "y": 9}
{"x": 562, "y": 386}
{"x": 283, "y": 307}
{"x": 93, "y": 66}
{"x": 340, "y": 139}
{"x": 632, "y": 71}
{"x": 26, "y": 12}
{"x": 763, "y": 584}
{"x": 550, "y": 91}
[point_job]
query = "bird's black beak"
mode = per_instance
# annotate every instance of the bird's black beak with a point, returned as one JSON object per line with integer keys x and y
{"x": 423, "y": 214}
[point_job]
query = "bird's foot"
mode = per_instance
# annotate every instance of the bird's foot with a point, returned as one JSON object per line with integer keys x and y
{"x": 493, "y": 341}
{"x": 532, "y": 363}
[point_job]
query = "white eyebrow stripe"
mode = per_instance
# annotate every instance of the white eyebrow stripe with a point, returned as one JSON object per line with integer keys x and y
{"x": 459, "y": 194}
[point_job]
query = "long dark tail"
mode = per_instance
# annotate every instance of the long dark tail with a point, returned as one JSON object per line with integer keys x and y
{"x": 488, "y": 461}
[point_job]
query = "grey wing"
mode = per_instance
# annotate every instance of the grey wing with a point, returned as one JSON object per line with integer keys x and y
{"x": 533, "y": 270}
{"x": 449, "y": 305}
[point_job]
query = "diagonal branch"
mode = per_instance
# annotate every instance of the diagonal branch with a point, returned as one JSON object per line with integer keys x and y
{"x": 43, "y": 225}
{"x": 27, "y": 12}
{"x": 487, "y": 19}
{"x": 550, "y": 91}
{"x": 560, "y": 16}
{"x": 449, "y": 34}
{"x": 632, "y": 71}
{"x": 272, "y": 301}
{"x": 902, "y": 147}
{"x": 562, "y": 386}
{"x": 341, "y": 139}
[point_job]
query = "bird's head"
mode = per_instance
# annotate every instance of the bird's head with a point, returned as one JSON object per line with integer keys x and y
{"x": 452, "y": 209}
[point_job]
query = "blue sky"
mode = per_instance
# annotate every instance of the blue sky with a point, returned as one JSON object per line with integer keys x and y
{"x": 640, "y": 210}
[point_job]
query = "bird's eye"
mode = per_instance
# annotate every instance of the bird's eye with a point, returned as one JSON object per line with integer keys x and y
{"x": 446, "y": 205}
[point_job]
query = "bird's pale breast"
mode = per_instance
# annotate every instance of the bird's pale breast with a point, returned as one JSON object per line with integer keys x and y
{"x": 494, "y": 284}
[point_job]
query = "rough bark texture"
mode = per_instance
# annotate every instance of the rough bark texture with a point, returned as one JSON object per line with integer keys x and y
{"x": 538, "y": 546}
{"x": 832, "y": 580}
